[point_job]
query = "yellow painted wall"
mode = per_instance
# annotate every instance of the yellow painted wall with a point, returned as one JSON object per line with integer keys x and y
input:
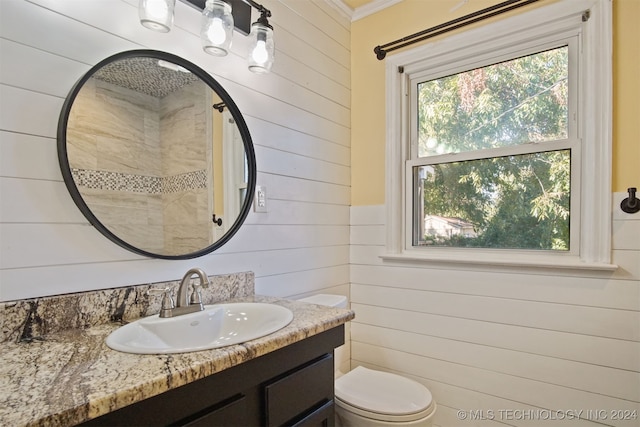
{"x": 218, "y": 163}
{"x": 410, "y": 16}
{"x": 626, "y": 94}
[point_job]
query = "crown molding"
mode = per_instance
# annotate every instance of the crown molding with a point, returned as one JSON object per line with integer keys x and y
{"x": 342, "y": 7}
{"x": 371, "y": 8}
{"x": 362, "y": 11}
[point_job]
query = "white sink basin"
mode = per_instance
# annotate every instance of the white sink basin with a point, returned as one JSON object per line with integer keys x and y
{"x": 216, "y": 326}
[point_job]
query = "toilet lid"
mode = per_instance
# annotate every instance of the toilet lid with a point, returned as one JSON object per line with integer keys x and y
{"x": 383, "y": 393}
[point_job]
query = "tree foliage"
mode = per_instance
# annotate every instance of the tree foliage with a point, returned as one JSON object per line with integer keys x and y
{"x": 518, "y": 201}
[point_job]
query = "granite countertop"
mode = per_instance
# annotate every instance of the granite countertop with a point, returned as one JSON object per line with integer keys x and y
{"x": 70, "y": 376}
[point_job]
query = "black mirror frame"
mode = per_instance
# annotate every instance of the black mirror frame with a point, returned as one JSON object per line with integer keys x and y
{"x": 224, "y": 96}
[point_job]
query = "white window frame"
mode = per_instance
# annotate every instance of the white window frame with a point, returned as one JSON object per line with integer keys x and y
{"x": 588, "y": 20}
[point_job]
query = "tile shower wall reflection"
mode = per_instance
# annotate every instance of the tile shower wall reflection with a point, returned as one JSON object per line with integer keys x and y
{"x": 185, "y": 116}
{"x": 141, "y": 164}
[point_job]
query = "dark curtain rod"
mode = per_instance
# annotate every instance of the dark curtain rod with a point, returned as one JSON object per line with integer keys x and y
{"x": 381, "y": 50}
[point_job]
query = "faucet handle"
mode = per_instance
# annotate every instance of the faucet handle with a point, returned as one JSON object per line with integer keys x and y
{"x": 196, "y": 295}
{"x": 168, "y": 304}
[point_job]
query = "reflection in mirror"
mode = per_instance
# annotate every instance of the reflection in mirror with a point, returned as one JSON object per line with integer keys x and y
{"x": 153, "y": 161}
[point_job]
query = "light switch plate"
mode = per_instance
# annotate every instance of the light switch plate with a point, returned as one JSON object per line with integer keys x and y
{"x": 260, "y": 199}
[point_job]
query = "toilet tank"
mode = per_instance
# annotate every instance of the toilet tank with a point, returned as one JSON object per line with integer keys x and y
{"x": 331, "y": 300}
{"x": 342, "y": 354}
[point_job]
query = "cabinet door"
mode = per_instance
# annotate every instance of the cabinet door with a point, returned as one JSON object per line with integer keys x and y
{"x": 300, "y": 392}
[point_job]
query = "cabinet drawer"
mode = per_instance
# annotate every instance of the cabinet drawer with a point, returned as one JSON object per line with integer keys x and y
{"x": 299, "y": 391}
{"x": 324, "y": 416}
{"x": 232, "y": 412}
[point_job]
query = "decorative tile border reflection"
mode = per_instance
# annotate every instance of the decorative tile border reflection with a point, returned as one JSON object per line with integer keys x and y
{"x": 119, "y": 181}
{"x": 116, "y": 181}
{"x": 185, "y": 181}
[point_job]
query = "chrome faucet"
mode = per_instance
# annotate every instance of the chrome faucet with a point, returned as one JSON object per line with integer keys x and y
{"x": 186, "y": 303}
{"x": 194, "y": 303}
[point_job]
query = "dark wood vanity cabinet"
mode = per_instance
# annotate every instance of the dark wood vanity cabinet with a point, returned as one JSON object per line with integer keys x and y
{"x": 292, "y": 386}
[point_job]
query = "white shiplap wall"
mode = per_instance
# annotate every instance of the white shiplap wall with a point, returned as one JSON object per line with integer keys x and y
{"x": 298, "y": 116}
{"x": 517, "y": 341}
{"x": 478, "y": 339}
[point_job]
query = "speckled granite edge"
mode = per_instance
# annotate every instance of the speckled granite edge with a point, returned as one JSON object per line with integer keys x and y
{"x": 31, "y": 319}
{"x": 72, "y": 376}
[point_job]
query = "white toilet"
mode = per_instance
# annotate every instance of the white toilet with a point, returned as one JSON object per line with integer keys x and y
{"x": 366, "y": 397}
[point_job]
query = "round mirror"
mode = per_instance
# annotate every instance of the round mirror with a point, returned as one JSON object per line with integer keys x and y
{"x": 156, "y": 155}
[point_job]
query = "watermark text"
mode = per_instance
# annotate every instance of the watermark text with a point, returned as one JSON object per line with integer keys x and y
{"x": 547, "y": 414}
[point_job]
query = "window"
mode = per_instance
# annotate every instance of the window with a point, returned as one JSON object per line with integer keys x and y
{"x": 499, "y": 141}
{"x": 510, "y": 120}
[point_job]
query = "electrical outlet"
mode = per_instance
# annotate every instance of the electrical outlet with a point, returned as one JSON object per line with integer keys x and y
{"x": 260, "y": 199}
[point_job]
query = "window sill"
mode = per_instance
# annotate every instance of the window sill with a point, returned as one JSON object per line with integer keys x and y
{"x": 502, "y": 259}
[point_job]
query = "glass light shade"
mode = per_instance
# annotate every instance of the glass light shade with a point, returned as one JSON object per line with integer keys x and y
{"x": 262, "y": 48}
{"x": 157, "y": 15}
{"x": 217, "y": 28}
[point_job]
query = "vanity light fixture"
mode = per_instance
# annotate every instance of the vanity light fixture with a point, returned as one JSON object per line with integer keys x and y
{"x": 219, "y": 18}
{"x": 262, "y": 48}
{"x": 157, "y": 15}
{"x": 217, "y": 27}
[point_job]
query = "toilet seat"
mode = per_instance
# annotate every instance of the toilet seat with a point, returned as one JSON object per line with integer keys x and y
{"x": 383, "y": 396}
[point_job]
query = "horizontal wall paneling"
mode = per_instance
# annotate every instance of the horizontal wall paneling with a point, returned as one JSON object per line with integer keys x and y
{"x": 299, "y": 118}
{"x": 500, "y": 338}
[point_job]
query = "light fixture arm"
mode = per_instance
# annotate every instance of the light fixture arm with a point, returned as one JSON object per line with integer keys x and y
{"x": 263, "y": 19}
{"x": 264, "y": 12}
